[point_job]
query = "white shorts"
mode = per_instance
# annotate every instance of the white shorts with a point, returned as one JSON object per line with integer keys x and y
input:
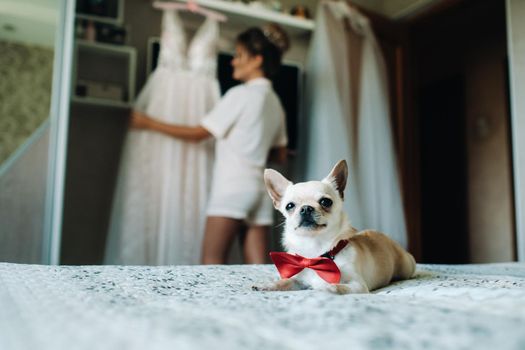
{"x": 248, "y": 202}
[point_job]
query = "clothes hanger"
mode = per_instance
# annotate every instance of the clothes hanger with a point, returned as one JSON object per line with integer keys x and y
{"x": 190, "y": 5}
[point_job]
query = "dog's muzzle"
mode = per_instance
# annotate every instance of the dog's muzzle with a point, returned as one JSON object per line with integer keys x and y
{"x": 307, "y": 217}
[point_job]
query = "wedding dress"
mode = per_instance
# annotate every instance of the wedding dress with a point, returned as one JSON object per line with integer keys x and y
{"x": 159, "y": 206}
{"x": 347, "y": 111}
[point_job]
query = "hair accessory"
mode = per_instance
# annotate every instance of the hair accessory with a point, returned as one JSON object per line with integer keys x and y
{"x": 276, "y": 36}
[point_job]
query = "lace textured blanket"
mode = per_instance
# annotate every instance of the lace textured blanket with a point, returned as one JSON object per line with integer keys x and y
{"x": 213, "y": 307}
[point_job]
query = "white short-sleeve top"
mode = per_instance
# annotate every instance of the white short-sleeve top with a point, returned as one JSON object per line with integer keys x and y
{"x": 246, "y": 123}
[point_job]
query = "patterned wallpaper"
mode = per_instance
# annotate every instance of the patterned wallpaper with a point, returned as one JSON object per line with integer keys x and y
{"x": 25, "y": 92}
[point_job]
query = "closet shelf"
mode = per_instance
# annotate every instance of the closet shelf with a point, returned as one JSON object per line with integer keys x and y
{"x": 102, "y": 19}
{"x": 239, "y": 12}
{"x": 97, "y": 46}
{"x": 101, "y": 102}
{"x": 104, "y": 73}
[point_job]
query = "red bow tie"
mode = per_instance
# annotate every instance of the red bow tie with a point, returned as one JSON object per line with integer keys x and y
{"x": 290, "y": 265}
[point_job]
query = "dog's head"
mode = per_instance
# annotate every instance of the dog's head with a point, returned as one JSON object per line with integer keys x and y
{"x": 313, "y": 207}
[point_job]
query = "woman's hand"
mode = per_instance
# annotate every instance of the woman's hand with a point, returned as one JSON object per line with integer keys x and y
{"x": 139, "y": 120}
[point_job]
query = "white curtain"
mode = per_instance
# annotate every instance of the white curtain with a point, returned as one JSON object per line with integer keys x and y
{"x": 347, "y": 117}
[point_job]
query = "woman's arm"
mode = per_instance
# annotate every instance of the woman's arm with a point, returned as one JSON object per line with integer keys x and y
{"x": 189, "y": 133}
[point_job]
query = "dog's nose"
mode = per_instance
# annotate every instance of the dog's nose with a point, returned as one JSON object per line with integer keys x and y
{"x": 306, "y": 209}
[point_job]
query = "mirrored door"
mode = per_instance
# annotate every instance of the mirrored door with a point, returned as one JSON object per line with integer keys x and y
{"x": 35, "y": 71}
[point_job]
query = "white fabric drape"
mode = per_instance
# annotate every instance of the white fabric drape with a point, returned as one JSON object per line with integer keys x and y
{"x": 159, "y": 208}
{"x": 347, "y": 112}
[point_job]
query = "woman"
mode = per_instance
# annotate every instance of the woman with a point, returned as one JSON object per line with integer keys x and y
{"x": 247, "y": 123}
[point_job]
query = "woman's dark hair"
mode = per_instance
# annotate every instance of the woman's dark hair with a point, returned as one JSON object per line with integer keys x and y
{"x": 270, "y": 42}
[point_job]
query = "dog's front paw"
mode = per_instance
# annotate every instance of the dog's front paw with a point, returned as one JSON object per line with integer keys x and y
{"x": 339, "y": 289}
{"x": 264, "y": 287}
{"x": 280, "y": 285}
{"x": 350, "y": 288}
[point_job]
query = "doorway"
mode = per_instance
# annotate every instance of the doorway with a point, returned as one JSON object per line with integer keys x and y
{"x": 461, "y": 110}
{"x": 444, "y": 172}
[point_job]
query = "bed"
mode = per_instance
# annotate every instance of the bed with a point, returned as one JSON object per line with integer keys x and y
{"x": 213, "y": 307}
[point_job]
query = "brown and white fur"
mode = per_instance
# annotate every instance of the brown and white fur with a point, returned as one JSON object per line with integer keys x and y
{"x": 314, "y": 226}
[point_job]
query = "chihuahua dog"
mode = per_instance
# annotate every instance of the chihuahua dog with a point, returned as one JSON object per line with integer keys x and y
{"x": 316, "y": 223}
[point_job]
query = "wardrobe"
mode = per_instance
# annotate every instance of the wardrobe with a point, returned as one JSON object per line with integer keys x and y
{"x": 97, "y": 130}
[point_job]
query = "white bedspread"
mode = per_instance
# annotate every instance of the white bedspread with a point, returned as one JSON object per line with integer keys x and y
{"x": 213, "y": 307}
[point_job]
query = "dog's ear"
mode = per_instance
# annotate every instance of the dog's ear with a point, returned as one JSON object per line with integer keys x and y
{"x": 276, "y": 184}
{"x": 338, "y": 176}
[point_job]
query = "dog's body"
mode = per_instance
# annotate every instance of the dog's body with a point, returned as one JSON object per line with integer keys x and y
{"x": 315, "y": 223}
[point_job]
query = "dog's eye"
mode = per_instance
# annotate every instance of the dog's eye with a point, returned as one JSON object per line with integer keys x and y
{"x": 326, "y": 202}
{"x": 290, "y": 206}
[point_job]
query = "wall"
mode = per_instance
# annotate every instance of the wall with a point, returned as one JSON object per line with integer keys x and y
{"x": 491, "y": 221}
{"x": 516, "y": 52}
{"x": 25, "y": 92}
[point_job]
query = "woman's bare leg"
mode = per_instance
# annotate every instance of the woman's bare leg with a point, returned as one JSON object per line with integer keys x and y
{"x": 218, "y": 238}
{"x": 255, "y": 245}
